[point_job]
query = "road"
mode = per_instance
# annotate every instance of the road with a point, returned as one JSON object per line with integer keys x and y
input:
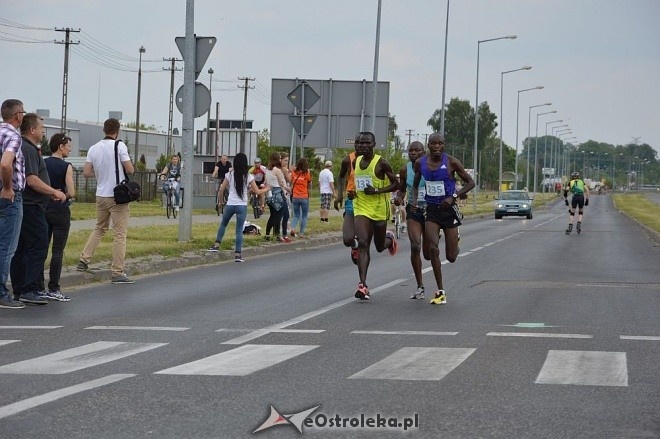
{"x": 544, "y": 335}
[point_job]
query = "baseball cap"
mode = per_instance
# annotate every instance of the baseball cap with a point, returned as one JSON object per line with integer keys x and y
{"x": 328, "y": 163}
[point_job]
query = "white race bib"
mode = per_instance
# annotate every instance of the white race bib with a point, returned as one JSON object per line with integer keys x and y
{"x": 435, "y": 188}
{"x": 362, "y": 181}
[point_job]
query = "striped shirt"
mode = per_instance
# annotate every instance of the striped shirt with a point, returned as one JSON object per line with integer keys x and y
{"x": 10, "y": 140}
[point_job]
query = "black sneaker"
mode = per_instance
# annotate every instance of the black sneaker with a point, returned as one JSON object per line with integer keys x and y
{"x": 239, "y": 258}
{"x": 32, "y": 297}
{"x": 9, "y": 303}
{"x": 121, "y": 279}
{"x": 82, "y": 266}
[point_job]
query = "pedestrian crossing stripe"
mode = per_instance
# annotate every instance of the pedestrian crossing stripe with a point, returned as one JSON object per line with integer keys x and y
{"x": 240, "y": 361}
{"x": 82, "y": 357}
{"x": 4, "y": 342}
{"x": 589, "y": 368}
{"x": 416, "y": 364}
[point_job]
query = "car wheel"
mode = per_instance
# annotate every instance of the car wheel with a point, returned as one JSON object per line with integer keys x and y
{"x": 529, "y": 215}
{"x": 498, "y": 216}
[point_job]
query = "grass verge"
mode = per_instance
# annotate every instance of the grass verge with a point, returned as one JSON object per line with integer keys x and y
{"x": 639, "y": 207}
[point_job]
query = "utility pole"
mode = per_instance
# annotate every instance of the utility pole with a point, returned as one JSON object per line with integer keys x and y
{"x": 65, "y": 81}
{"x": 245, "y": 89}
{"x": 409, "y": 134}
{"x": 171, "y": 69}
{"x": 137, "y": 112}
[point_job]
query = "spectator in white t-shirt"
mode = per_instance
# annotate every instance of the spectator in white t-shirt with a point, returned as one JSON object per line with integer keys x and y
{"x": 100, "y": 163}
{"x": 327, "y": 189}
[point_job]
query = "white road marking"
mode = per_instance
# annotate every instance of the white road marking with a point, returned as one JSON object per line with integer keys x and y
{"x": 35, "y": 401}
{"x": 240, "y": 361}
{"x": 299, "y": 331}
{"x": 4, "y": 342}
{"x": 586, "y": 368}
{"x": 294, "y": 321}
{"x": 640, "y": 337}
{"x": 538, "y": 334}
{"x": 140, "y": 328}
{"x": 416, "y": 364}
{"x": 476, "y": 249}
{"x": 403, "y": 333}
{"x": 78, "y": 358}
{"x": 30, "y": 327}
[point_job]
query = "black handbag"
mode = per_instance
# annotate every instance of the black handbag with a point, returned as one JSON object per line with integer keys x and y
{"x": 126, "y": 190}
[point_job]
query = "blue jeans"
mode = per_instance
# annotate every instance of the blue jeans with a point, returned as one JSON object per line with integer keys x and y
{"x": 241, "y": 214}
{"x": 11, "y": 217}
{"x": 300, "y": 212}
{"x": 177, "y": 191}
{"x": 27, "y": 265}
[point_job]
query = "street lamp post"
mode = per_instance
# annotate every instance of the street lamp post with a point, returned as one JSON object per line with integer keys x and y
{"x": 545, "y": 139}
{"x": 208, "y": 115}
{"x": 538, "y": 87}
{"x": 499, "y": 183}
{"x": 536, "y": 147}
{"x": 529, "y": 118}
{"x": 137, "y": 112}
{"x": 476, "y": 120}
{"x": 552, "y": 146}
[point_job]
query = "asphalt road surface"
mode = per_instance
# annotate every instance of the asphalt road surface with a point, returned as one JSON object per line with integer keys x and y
{"x": 544, "y": 335}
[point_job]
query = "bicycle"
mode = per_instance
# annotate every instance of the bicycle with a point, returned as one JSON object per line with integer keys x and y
{"x": 256, "y": 206}
{"x": 221, "y": 208}
{"x": 171, "y": 208}
{"x": 399, "y": 224}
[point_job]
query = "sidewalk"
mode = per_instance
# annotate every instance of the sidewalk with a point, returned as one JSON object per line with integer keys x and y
{"x": 156, "y": 263}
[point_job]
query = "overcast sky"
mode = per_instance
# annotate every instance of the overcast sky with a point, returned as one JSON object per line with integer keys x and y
{"x": 599, "y": 60}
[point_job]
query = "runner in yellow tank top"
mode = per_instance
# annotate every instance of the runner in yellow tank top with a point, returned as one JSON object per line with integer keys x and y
{"x": 371, "y": 206}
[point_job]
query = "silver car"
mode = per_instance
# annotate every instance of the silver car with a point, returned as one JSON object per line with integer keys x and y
{"x": 515, "y": 203}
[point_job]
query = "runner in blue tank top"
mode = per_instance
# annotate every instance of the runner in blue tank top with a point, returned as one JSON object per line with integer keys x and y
{"x": 438, "y": 170}
{"x": 414, "y": 217}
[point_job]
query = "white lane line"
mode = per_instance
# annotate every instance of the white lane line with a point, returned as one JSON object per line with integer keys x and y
{"x": 489, "y": 244}
{"x": 586, "y": 368}
{"x": 294, "y": 321}
{"x": 26, "y": 404}
{"x": 299, "y": 331}
{"x": 460, "y": 255}
{"x": 30, "y": 327}
{"x": 240, "y": 361}
{"x": 538, "y": 334}
{"x": 78, "y": 358}
{"x": 640, "y": 337}
{"x": 233, "y": 330}
{"x": 476, "y": 249}
{"x": 404, "y": 332}
{"x": 4, "y": 342}
{"x": 140, "y": 328}
{"x": 416, "y": 364}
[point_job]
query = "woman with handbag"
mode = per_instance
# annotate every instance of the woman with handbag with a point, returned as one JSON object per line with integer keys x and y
{"x": 301, "y": 183}
{"x": 238, "y": 182}
{"x": 276, "y": 203}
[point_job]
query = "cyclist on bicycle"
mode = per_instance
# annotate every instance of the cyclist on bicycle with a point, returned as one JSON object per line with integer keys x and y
{"x": 172, "y": 173}
{"x": 258, "y": 171}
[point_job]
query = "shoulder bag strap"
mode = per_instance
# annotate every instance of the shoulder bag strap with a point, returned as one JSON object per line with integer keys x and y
{"x": 116, "y": 162}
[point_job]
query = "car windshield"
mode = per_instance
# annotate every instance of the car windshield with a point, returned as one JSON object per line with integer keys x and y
{"x": 514, "y": 196}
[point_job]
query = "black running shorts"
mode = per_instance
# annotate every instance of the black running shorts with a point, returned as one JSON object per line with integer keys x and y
{"x": 447, "y": 217}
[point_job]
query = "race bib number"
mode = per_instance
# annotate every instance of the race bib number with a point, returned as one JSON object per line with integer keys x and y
{"x": 421, "y": 192}
{"x": 362, "y": 181}
{"x": 435, "y": 188}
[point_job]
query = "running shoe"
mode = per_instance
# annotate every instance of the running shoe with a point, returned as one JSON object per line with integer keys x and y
{"x": 440, "y": 298}
{"x": 32, "y": 297}
{"x": 55, "y": 295}
{"x": 419, "y": 294}
{"x": 9, "y": 303}
{"x": 355, "y": 254}
{"x": 362, "y": 292}
{"x": 82, "y": 266}
{"x": 239, "y": 258}
{"x": 213, "y": 248}
{"x": 394, "y": 246}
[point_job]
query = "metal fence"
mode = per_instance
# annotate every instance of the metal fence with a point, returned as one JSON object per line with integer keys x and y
{"x": 86, "y": 187}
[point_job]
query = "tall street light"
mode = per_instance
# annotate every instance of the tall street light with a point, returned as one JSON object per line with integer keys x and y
{"x": 529, "y": 118}
{"x": 137, "y": 113}
{"x": 444, "y": 76}
{"x": 538, "y": 87}
{"x": 536, "y": 147}
{"x": 499, "y": 184}
{"x": 208, "y": 115}
{"x": 476, "y": 119}
{"x": 545, "y": 139}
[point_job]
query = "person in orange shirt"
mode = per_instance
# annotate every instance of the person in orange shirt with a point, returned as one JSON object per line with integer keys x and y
{"x": 301, "y": 183}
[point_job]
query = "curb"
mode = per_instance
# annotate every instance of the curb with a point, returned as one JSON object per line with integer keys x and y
{"x": 71, "y": 277}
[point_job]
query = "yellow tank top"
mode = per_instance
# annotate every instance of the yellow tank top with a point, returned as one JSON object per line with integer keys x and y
{"x": 375, "y": 207}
